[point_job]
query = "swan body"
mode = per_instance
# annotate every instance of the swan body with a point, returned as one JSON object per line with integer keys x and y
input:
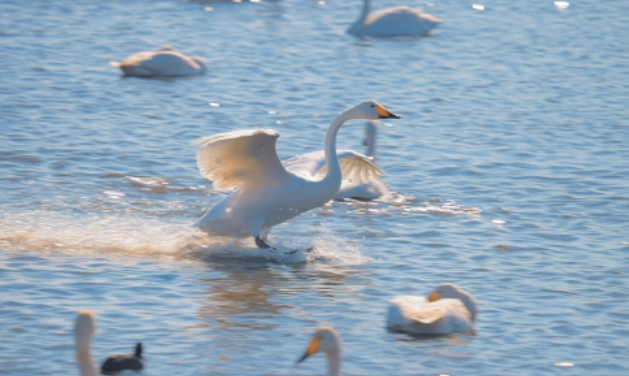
{"x": 165, "y": 62}
{"x": 269, "y": 191}
{"x": 84, "y": 329}
{"x": 372, "y": 189}
{"x": 328, "y": 341}
{"x": 395, "y": 21}
{"x": 448, "y": 309}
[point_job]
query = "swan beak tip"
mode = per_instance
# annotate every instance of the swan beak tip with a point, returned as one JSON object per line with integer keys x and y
{"x": 390, "y": 115}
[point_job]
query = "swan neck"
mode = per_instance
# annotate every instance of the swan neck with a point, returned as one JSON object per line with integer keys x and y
{"x": 366, "y": 11}
{"x": 334, "y": 362}
{"x": 331, "y": 157}
{"x": 372, "y": 131}
{"x": 84, "y": 357}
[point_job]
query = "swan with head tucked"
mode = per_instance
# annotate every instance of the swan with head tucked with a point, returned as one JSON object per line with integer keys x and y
{"x": 84, "y": 329}
{"x": 448, "y": 309}
{"x": 328, "y": 341}
{"x": 394, "y": 21}
{"x": 165, "y": 62}
{"x": 269, "y": 191}
{"x": 372, "y": 189}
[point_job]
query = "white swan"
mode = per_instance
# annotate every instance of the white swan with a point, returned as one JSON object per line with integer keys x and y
{"x": 328, "y": 341}
{"x": 448, "y": 309}
{"x": 84, "y": 329}
{"x": 269, "y": 191}
{"x": 165, "y": 62}
{"x": 372, "y": 189}
{"x": 394, "y": 21}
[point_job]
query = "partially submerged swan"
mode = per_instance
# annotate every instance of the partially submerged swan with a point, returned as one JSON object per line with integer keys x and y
{"x": 165, "y": 62}
{"x": 394, "y": 21}
{"x": 448, "y": 309}
{"x": 84, "y": 329}
{"x": 328, "y": 341}
{"x": 269, "y": 191}
{"x": 372, "y": 189}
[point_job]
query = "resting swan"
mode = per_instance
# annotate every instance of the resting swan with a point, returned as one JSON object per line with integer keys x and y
{"x": 328, "y": 341}
{"x": 448, "y": 309}
{"x": 165, "y": 62}
{"x": 269, "y": 191}
{"x": 394, "y": 21}
{"x": 84, "y": 329}
{"x": 372, "y": 189}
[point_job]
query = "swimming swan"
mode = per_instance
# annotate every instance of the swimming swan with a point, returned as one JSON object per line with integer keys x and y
{"x": 328, "y": 341}
{"x": 165, "y": 62}
{"x": 269, "y": 191}
{"x": 448, "y": 309}
{"x": 394, "y": 21}
{"x": 372, "y": 189}
{"x": 84, "y": 329}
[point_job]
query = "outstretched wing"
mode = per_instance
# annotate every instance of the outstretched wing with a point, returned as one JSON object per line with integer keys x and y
{"x": 354, "y": 166}
{"x": 245, "y": 158}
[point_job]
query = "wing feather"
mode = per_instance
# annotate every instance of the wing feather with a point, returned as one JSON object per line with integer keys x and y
{"x": 244, "y": 158}
{"x": 354, "y": 166}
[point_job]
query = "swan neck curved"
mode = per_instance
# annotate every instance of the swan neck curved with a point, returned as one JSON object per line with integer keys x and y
{"x": 331, "y": 157}
{"x": 84, "y": 357}
{"x": 334, "y": 362}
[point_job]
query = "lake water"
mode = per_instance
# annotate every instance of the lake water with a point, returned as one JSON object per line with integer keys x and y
{"x": 510, "y": 167}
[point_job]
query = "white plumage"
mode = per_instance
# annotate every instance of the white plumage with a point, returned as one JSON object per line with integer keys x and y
{"x": 165, "y": 62}
{"x": 270, "y": 192}
{"x": 365, "y": 190}
{"x": 448, "y": 309}
{"x": 395, "y": 21}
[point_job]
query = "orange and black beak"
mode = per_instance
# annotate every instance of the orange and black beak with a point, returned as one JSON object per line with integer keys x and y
{"x": 313, "y": 348}
{"x": 383, "y": 113}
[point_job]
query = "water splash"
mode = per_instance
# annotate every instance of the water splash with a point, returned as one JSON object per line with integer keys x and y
{"x": 50, "y": 231}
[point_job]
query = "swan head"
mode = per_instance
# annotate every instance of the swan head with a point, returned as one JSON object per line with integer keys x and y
{"x": 371, "y": 110}
{"x": 85, "y": 326}
{"x": 325, "y": 340}
{"x": 452, "y": 291}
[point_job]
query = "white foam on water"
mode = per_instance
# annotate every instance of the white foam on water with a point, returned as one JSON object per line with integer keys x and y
{"x": 285, "y": 249}
{"x": 49, "y": 231}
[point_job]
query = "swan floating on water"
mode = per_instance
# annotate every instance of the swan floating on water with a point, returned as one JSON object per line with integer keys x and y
{"x": 165, "y": 62}
{"x": 84, "y": 329}
{"x": 269, "y": 191}
{"x": 372, "y": 189}
{"x": 395, "y": 21}
{"x": 448, "y": 309}
{"x": 328, "y": 341}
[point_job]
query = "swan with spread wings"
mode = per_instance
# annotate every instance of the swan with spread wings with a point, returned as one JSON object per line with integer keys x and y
{"x": 269, "y": 191}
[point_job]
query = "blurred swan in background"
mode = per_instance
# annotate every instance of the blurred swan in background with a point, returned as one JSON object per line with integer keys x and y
{"x": 394, "y": 21}
{"x": 165, "y": 62}
{"x": 373, "y": 189}
{"x": 328, "y": 341}
{"x": 84, "y": 329}
{"x": 269, "y": 191}
{"x": 448, "y": 309}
